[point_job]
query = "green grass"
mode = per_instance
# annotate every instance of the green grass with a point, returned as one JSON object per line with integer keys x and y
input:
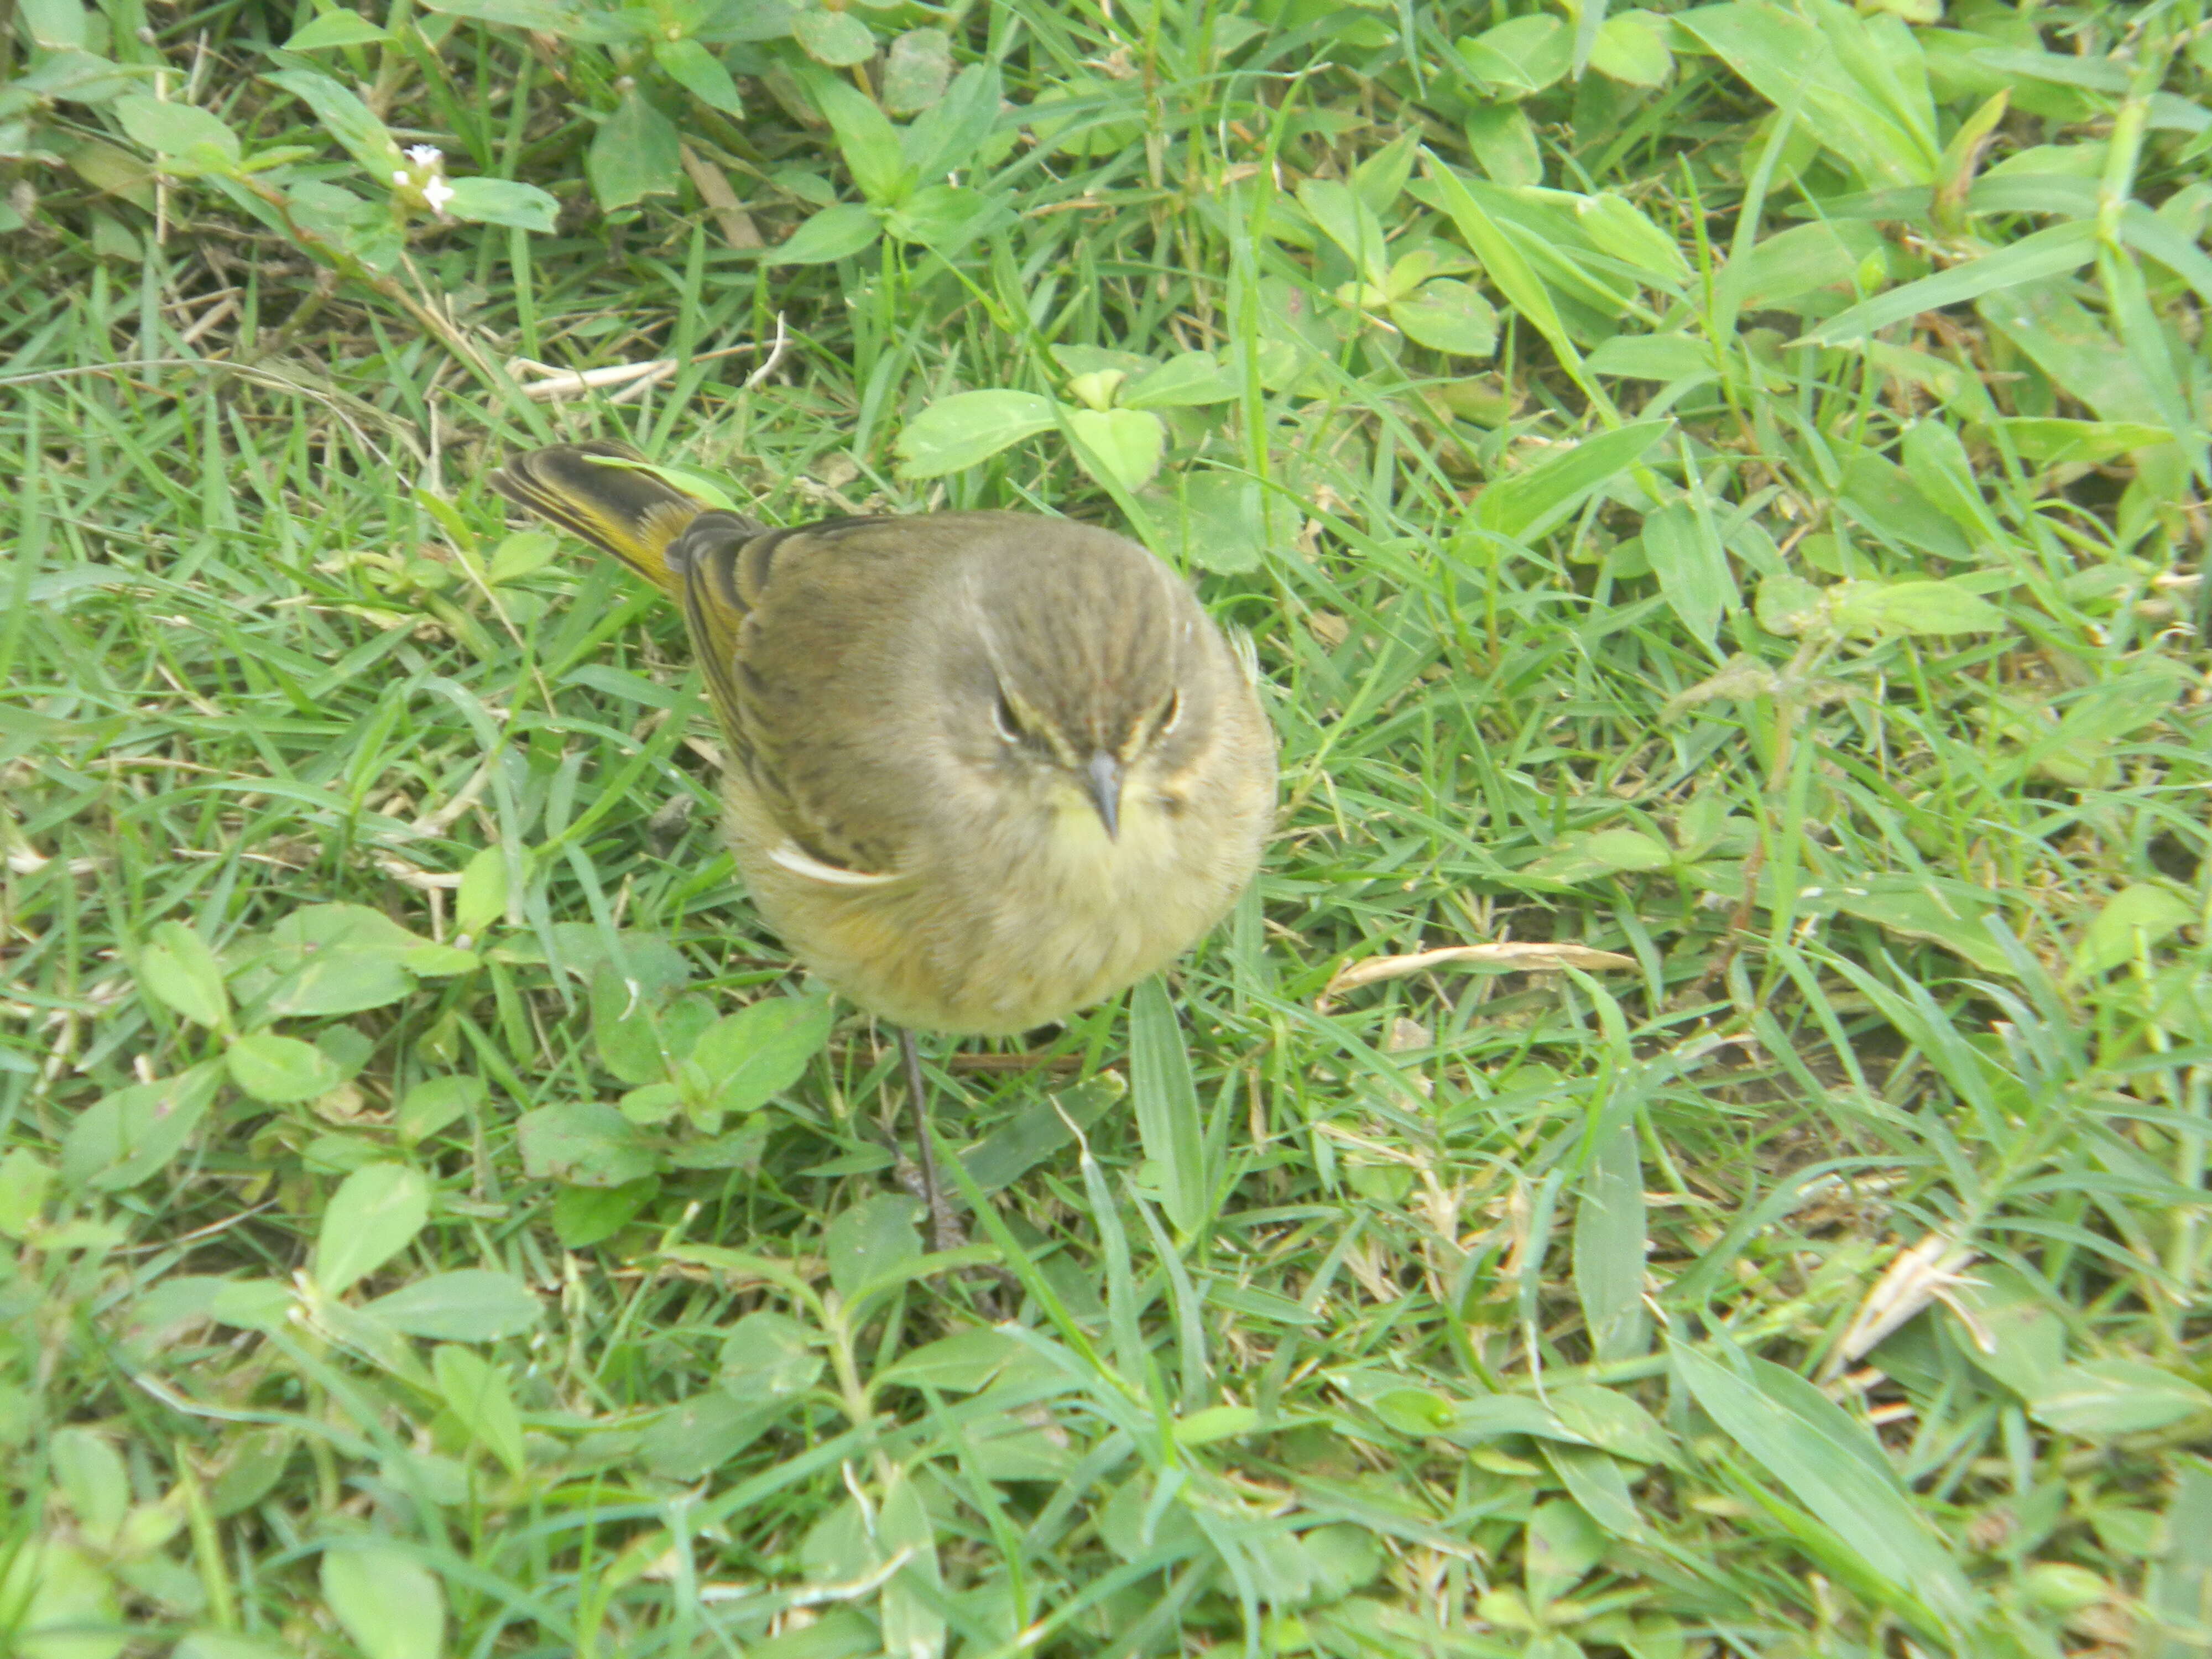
{"x": 1647, "y": 565}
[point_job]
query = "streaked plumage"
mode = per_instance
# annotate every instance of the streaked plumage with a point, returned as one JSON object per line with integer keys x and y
{"x": 985, "y": 769}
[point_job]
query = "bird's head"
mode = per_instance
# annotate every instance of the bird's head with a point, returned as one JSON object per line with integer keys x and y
{"x": 1088, "y": 684}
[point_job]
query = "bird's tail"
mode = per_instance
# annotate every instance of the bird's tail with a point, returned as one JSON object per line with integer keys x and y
{"x": 621, "y": 508}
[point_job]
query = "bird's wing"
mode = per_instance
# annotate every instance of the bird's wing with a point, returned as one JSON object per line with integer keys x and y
{"x": 743, "y": 587}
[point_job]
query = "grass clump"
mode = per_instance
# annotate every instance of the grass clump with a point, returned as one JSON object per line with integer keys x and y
{"x": 1718, "y": 496}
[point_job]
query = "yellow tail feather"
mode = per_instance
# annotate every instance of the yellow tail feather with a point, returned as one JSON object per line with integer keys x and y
{"x": 619, "y": 509}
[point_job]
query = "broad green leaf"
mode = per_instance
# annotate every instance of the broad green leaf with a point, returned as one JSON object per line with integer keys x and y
{"x": 93, "y": 1481}
{"x": 1951, "y": 914}
{"x": 1829, "y": 1464}
{"x": 1807, "y": 268}
{"x": 836, "y": 232}
{"x": 1937, "y": 464}
{"x": 1188, "y": 379}
{"x": 2132, "y": 922}
{"x": 501, "y": 202}
{"x": 1691, "y": 567}
{"x": 436, "y": 1101}
{"x": 1562, "y": 1545}
{"x": 390, "y": 1605}
{"x": 584, "y": 1216}
{"x": 875, "y": 1236}
{"x": 1347, "y": 222}
{"x": 1601, "y": 853}
{"x": 1609, "y": 1246}
{"x": 1214, "y": 521}
{"x": 1884, "y": 498}
{"x": 640, "y": 1031}
{"x": 769, "y": 1355}
{"x": 957, "y": 432}
{"x": 586, "y": 1144}
{"x": 1031, "y": 1135}
{"x": 2072, "y": 345}
{"x": 1885, "y": 608}
{"x": 1448, "y": 316}
{"x": 1152, "y": 1521}
{"x": 867, "y": 138}
{"x": 1654, "y": 357}
{"x": 55, "y": 25}
{"x": 470, "y": 1304}
{"x": 333, "y": 959}
{"x": 1502, "y": 142}
{"x": 955, "y": 132}
{"x": 1632, "y": 47}
{"x": 1501, "y": 260}
{"x": 1622, "y": 229}
{"x": 1521, "y": 56}
{"x": 523, "y": 554}
{"x": 699, "y": 73}
{"x": 1080, "y": 361}
{"x": 539, "y": 17}
{"x": 1494, "y": 1416}
{"x": 1790, "y": 606}
{"x": 1380, "y": 178}
{"x": 77, "y": 77}
{"x": 1169, "y": 1122}
{"x": 1609, "y": 1419}
{"x": 346, "y": 119}
{"x": 691, "y": 1440}
{"x": 25, "y": 1179}
{"x": 1522, "y": 506}
{"x": 476, "y": 1394}
{"x": 1121, "y": 446}
{"x": 913, "y": 1626}
{"x": 2018, "y": 1337}
{"x": 336, "y": 28}
{"x": 2051, "y": 252}
{"x": 178, "y": 129}
{"x": 633, "y": 154}
{"x": 2045, "y": 441}
{"x": 836, "y": 38}
{"x": 2105, "y": 1397}
{"x": 945, "y": 218}
{"x": 374, "y": 1215}
{"x": 1851, "y": 101}
{"x": 2175, "y": 1589}
{"x": 482, "y": 897}
{"x": 762, "y": 1050}
{"x": 1106, "y": 115}
{"x": 127, "y": 1136}
{"x": 176, "y": 968}
{"x": 59, "y": 1603}
{"x": 916, "y": 70}
{"x": 960, "y": 1363}
{"x": 253, "y": 1304}
{"x": 281, "y": 1069}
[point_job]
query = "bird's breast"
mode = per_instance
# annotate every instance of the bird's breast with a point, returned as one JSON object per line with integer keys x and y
{"x": 1019, "y": 919}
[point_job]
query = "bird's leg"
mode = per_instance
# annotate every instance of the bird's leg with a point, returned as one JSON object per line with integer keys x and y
{"x": 945, "y": 1232}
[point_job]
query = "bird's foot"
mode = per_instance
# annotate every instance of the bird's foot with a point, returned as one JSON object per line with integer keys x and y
{"x": 946, "y": 1232}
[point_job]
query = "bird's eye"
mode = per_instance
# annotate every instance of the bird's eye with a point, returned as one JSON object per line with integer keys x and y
{"x": 1170, "y": 715}
{"x": 1003, "y": 717}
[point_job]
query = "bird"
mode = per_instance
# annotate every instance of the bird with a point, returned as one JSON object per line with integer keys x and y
{"x": 983, "y": 770}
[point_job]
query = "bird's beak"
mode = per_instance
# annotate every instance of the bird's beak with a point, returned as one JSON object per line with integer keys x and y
{"x": 1102, "y": 781}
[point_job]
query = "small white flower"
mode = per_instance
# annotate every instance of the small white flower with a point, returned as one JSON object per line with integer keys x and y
{"x": 436, "y": 193}
{"x": 424, "y": 156}
{"x": 403, "y": 178}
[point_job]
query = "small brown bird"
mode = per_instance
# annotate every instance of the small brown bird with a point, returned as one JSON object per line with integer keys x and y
{"x": 985, "y": 769}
